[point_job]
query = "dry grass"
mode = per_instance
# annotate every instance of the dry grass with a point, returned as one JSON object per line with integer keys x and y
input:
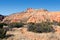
{"x": 23, "y": 34}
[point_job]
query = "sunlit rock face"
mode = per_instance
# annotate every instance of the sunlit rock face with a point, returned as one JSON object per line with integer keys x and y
{"x": 33, "y": 15}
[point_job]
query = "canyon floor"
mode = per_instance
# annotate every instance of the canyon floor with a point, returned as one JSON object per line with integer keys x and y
{"x": 23, "y": 34}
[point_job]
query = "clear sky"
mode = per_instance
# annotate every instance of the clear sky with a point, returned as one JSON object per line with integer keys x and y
{"x": 13, "y": 6}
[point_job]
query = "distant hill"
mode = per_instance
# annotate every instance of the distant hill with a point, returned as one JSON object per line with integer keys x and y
{"x": 33, "y": 15}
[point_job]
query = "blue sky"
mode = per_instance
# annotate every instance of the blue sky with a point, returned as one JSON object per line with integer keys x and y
{"x": 8, "y": 7}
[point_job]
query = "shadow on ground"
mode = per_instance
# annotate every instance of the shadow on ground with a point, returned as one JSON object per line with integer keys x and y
{"x": 7, "y": 36}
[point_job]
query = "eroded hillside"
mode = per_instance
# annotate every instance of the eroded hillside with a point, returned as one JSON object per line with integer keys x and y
{"x": 33, "y": 15}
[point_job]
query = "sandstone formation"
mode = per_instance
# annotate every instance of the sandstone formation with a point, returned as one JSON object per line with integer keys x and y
{"x": 33, "y": 15}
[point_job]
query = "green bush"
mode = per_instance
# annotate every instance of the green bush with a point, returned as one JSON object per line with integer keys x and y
{"x": 15, "y": 24}
{"x": 40, "y": 27}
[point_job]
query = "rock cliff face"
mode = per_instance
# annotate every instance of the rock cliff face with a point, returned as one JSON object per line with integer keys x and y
{"x": 1, "y": 17}
{"x": 33, "y": 15}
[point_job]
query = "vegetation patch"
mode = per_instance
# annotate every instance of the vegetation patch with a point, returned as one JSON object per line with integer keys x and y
{"x": 40, "y": 27}
{"x": 2, "y": 30}
{"x": 15, "y": 24}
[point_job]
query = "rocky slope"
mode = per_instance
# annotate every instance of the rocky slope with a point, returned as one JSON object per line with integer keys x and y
{"x": 33, "y": 15}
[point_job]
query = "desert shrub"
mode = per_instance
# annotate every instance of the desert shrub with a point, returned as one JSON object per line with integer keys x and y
{"x": 15, "y": 24}
{"x": 58, "y": 23}
{"x": 40, "y": 27}
{"x": 2, "y": 30}
{"x": 55, "y": 22}
{"x": 31, "y": 26}
{"x": 2, "y": 24}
